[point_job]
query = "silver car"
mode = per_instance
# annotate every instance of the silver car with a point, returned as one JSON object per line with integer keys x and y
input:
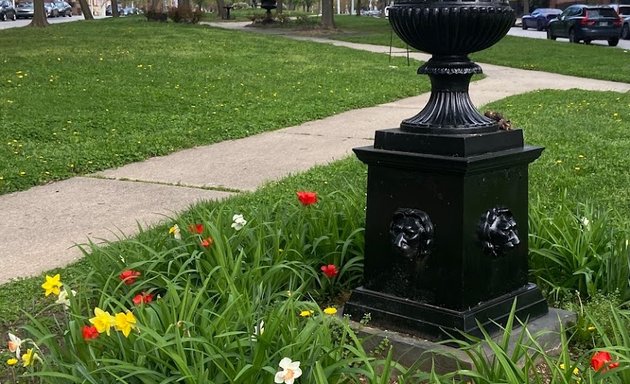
{"x": 24, "y": 10}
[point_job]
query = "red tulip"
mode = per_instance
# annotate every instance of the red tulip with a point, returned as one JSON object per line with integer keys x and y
{"x": 142, "y": 298}
{"x": 129, "y": 276}
{"x": 196, "y": 228}
{"x": 89, "y": 332}
{"x": 330, "y": 270}
{"x": 601, "y": 360}
{"x": 307, "y": 198}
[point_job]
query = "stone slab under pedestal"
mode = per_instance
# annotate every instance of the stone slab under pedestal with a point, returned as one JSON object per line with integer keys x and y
{"x": 409, "y": 350}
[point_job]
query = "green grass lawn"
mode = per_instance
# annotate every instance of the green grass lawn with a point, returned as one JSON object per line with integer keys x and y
{"x": 592, "y": 61}
{"x": 85, "y": 96}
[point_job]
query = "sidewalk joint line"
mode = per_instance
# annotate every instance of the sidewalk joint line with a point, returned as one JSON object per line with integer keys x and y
{"x": 206, "y": 188}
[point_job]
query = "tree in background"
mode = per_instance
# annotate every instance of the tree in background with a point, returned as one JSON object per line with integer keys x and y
{"x": 328, "y": 19}
{"x": 85, "y": 10}
{"x": 115, "y": 12}
{"x": 39, "y": 15}
{"x": 220, "y": 9}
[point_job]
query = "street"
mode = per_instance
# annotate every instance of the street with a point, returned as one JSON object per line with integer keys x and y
{"x": 532, "y": 33}
{"x": 52, "y": 20}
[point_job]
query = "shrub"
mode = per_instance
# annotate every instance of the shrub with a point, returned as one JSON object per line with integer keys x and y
{"x": 156, "y": 13}
{"x": 184, "y": 14}
{"x": 241, "y": 5}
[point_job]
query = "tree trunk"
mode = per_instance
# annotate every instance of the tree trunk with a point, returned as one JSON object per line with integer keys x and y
{"x": 220, "y": 9}
{"x": 39, "y": 15}
{"x": 279, "y": 6}
{"x": 85, "y": 9}
{"x": 115, "y": 8}
{"x": 358, "y": 7}
{"x": 328, "y": 20}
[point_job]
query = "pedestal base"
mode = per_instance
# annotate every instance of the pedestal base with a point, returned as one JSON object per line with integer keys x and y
{"x": 437, "y": 323}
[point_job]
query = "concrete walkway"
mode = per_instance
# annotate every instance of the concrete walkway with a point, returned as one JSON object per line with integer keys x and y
{"x": 40, "y": 227}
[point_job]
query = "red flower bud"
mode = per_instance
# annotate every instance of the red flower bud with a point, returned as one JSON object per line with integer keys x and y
{"x": 142, "y": 298}
{"x": 89, "y": 332}
{"x": 307, "y": 198}
{"x": 330, "y": 270}
{"x": 207, "y": 242}
{"x": 129, "y": 276}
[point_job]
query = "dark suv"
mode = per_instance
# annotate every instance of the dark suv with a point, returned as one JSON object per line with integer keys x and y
{"x": 587, "y": 23}
{"x": 63, "y": 8}
{"x": 6, "y": 10}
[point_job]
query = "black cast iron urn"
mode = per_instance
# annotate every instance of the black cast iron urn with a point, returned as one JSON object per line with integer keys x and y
{"x": 446, "y": 220}
{"x": 268, "y": 5}
{"x": 450, "y": 30}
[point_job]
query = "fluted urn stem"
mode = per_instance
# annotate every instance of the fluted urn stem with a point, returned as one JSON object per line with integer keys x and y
{"x": 449, "y": 110}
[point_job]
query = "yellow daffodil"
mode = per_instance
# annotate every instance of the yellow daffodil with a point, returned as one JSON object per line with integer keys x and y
{"x": 125, "y": 322}
{"x": 102, "y": 320}
{"x": 591, "y": 328}
{"x": 12, "y": 361}
{"x": 29, "y": 357}
{"x": 306, "y": 313}
{"x": 330, "y": 311}
{"x": 576, "y": 370}
{"x": 52, "y": 285}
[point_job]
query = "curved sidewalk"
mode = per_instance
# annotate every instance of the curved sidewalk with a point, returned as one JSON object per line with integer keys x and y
{"x": 40, "y": 226}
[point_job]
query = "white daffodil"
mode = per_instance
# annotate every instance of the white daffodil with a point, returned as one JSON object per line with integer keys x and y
{"x": 586, "y": 223}
{"x": 15, "y": 343}
{"x": 238, "y": 222}
{"x": 258, "y": 330}
{"x": 64, "y": 299}
{"x": 175, "y": 231}
{"x": 290, "y": 371}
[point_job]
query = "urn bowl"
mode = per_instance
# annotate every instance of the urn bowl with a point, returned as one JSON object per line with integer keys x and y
{"x": 451, "y": 28}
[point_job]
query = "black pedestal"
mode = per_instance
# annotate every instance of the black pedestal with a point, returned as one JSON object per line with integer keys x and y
{"x": 470, "y": 191}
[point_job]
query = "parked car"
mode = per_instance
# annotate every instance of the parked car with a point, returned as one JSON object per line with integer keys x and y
{"x": 51, "y": 10}
{"x": 372, "y": 12}
{"x": 63, "y": 8}
{"x": 24, "y": 10}
{"x": 128, "y": 11}
{"x": 624, "y": 11}
{"x": 7, "y": 11}
{"x": 539, "y": 19}
{"x": 586, "y": 23}
{"x": 108, "y": 10}
{"x": 625, "y": 28}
